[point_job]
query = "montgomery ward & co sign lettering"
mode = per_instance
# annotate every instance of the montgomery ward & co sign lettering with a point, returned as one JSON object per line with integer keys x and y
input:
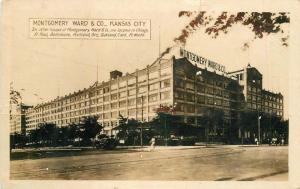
{"x": 203, "y": 61}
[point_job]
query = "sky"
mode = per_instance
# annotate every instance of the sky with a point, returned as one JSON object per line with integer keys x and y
{"x": 56, "y": 67}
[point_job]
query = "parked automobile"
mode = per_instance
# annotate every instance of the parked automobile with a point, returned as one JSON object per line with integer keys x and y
{"x": 274, "y": 141}
{"x": 188, "y": 141}
{"x": 107, "y": 143}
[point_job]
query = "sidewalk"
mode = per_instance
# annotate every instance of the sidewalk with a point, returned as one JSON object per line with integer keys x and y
{"x": 69, "y": 148}
{"x": 138, "y": 148}
{"x": 159, "y": 148}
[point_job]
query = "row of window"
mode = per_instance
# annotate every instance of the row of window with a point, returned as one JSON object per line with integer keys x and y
{"x": 190, "y": 97}
{"x": 131, "y": 102}
{"x": 179, "y": 83}
{"x": 188, "y": 108}
{"x": 254, "y": 89}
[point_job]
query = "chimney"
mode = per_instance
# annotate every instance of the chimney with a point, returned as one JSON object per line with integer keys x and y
{"x": 115, "y": 74}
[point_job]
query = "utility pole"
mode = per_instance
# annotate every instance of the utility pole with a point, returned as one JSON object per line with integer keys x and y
{"x": 258, "y": 128}
{"x": 142, "y": 121}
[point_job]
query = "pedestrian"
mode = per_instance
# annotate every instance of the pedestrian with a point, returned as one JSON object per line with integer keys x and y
{"x": 152, "y": 144}
{"x": 256, "y": 141}
{"x": 282, "y": 141}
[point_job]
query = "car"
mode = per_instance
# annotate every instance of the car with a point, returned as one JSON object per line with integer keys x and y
{"x": 107, "y": 143}
{"x": 274, "y": 141}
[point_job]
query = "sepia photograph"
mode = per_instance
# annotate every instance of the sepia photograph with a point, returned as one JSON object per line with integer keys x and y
{"x": 163, "y": 92}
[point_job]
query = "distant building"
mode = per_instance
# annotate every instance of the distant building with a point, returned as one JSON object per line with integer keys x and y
{"x": 17, "y": 118}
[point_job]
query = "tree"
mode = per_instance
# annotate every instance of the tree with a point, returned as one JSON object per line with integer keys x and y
{"x": 89, "y": 128}
{"x": 73, "y": 131}
{"x": 213, "y": 121}
{"x": 128, "y": 129}
{"x": 48, "y": 133}
{"x": 260, "y": 23}
{"x": 63, "y": 135}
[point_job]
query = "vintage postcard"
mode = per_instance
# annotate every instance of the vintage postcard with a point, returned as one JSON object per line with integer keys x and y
{"x": 146, "y": 94}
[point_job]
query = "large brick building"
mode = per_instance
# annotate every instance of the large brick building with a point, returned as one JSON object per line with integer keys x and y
{"x": 187, "y": 87}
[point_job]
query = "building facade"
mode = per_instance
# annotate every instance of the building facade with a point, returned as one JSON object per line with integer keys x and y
{"x": 256, "y": 98}
{"x": 135, "y": 95}
{"x": 193, "y": 92}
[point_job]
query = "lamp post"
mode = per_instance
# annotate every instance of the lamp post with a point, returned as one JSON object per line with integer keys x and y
{"x": 258, "y": 128}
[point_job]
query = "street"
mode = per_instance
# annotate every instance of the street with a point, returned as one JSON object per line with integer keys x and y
{"x": 217, "y": 163}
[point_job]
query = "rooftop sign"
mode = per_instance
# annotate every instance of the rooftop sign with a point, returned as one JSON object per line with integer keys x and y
{"x": 203, "y": 61}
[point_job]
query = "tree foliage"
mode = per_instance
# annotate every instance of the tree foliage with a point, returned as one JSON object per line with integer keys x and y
{"x": 128, "y": 129}
{"x": 260, "y": 23}
{"x": 89, "y": 128}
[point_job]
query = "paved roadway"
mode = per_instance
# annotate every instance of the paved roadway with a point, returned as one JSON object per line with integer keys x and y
{"x": 205, "y": 164}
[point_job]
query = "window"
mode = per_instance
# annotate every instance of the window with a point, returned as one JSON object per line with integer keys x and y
{"x": 142, "y": 89}
{"x": 226, "y": 103}
{"x": 100, "y": 100}
{"x": 190, "y": 108}
{"x": 106, "y": 98}
{"x": 122, "y": 94}
{"x": 226, "y": 94}
{"x": 140, "y": 110}
{"x": 165, "y": 83}
{"x": 123, "y": 113}
{"x": 153, "y": 75}
{"x": 179, "y": 95}
{"x": 105, "y": 90}
{"x": 142, "y": 78}
{"x": 218, "y": 92}
{"x": 131, "y": 92}
{"x": 218, "y": 102}
{"x": 114, "y": 96}
{"x": 180, "y": 107}
{"x": 200, "y": 78}
{"x": 114, "y": 114}
{"x": 114, "y": 86}
{"x": 131, "y": 102}
{"x": 165, "y": 71}
{"x": 106, "y": 115}
{"x": 99, "y": 108}
{"x": 210, "y": 100}
{"x": 153, "y": 86}
{"x": 179, "y": 83}
{"x": 201, "y": 99}
{"x": 122, "y": 84}
{"x": 249, "y": 105}
{"x": 190, "y": 97}
{"x": 114, "y": 105}
{"x": 153, "y": 97}
{"x": 249, "y": 88}
{"x": 139, "y": 100}
{"x": 165, "y": 95}
{"x": 131, "y": 81}
{"x": 106, "y": 107}
{"x": 258, "y": 98}
{"x": 131, "y": 112}
{"x": 241, "y": 77}
{"x": 122, "y": 103}
{"x": 210, "y": 81}
{"x": 190, "y": 86}
{"x": 200, "y": 89}
{"x": 210, "y": 90}
{"x": 258, "y": 90}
